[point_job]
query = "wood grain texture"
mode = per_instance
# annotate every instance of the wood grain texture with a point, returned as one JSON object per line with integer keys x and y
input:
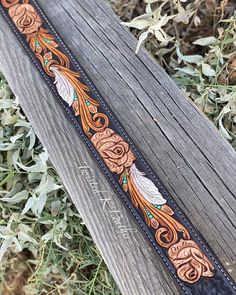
{"x": 193, "y": 161}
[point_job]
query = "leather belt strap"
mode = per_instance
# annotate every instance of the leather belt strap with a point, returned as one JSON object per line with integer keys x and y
{"x": 186, "y": 255}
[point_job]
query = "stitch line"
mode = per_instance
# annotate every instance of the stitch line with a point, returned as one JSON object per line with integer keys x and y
{"x": 130, "y": 140}
{"x": 91, "y": 149}
{"x": 144, "y": 228}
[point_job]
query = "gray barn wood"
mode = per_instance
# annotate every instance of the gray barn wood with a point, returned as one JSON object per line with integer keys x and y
{"x": 192, "y": 159}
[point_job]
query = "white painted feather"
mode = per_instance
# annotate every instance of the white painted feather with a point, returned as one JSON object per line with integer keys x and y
{"x": 146, "y": 187}
{"x": 64, "y": 87}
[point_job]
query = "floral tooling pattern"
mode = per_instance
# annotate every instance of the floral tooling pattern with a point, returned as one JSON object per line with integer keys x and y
{"x": 189, "y": 261}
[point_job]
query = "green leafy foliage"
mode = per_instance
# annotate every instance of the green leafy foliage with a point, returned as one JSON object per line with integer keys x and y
{"x": 195, "y": 42}
{"x": 209, "y": 81}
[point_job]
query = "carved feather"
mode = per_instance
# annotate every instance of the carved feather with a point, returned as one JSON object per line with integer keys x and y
{"x": 146, "y": 187}
{"x": 64, "y": 87}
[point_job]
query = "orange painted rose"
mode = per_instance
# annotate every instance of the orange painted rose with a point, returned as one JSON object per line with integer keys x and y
{"x": 189, "y": 261}
{"x": 113, "y": 149}
{"x": 9, "y": 3}
{"x": 25, "y": 18}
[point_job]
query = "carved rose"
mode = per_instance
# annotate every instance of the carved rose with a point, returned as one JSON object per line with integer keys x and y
{"x": 189, "y": 261}
{"x": 25, "y": 18}
{"x": 9, "y": 3}
{"x": 113, "y": 149}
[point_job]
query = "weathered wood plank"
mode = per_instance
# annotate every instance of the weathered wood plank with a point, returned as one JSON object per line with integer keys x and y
{"x": 194, "y": 162}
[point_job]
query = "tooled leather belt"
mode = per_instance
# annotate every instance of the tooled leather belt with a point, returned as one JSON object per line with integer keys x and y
{"x": 186, "y": 255}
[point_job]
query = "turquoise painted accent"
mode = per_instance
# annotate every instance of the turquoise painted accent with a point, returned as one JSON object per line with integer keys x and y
{"x": 37, "y": 43}
{"x": 46, "y": 61}
{"x": 47, "y": 40}
{"x": 150, "y": 216}
{"x": 88, "y": 103}
{"x": 75, "y": 96}
{"x": 125, "y": 178}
